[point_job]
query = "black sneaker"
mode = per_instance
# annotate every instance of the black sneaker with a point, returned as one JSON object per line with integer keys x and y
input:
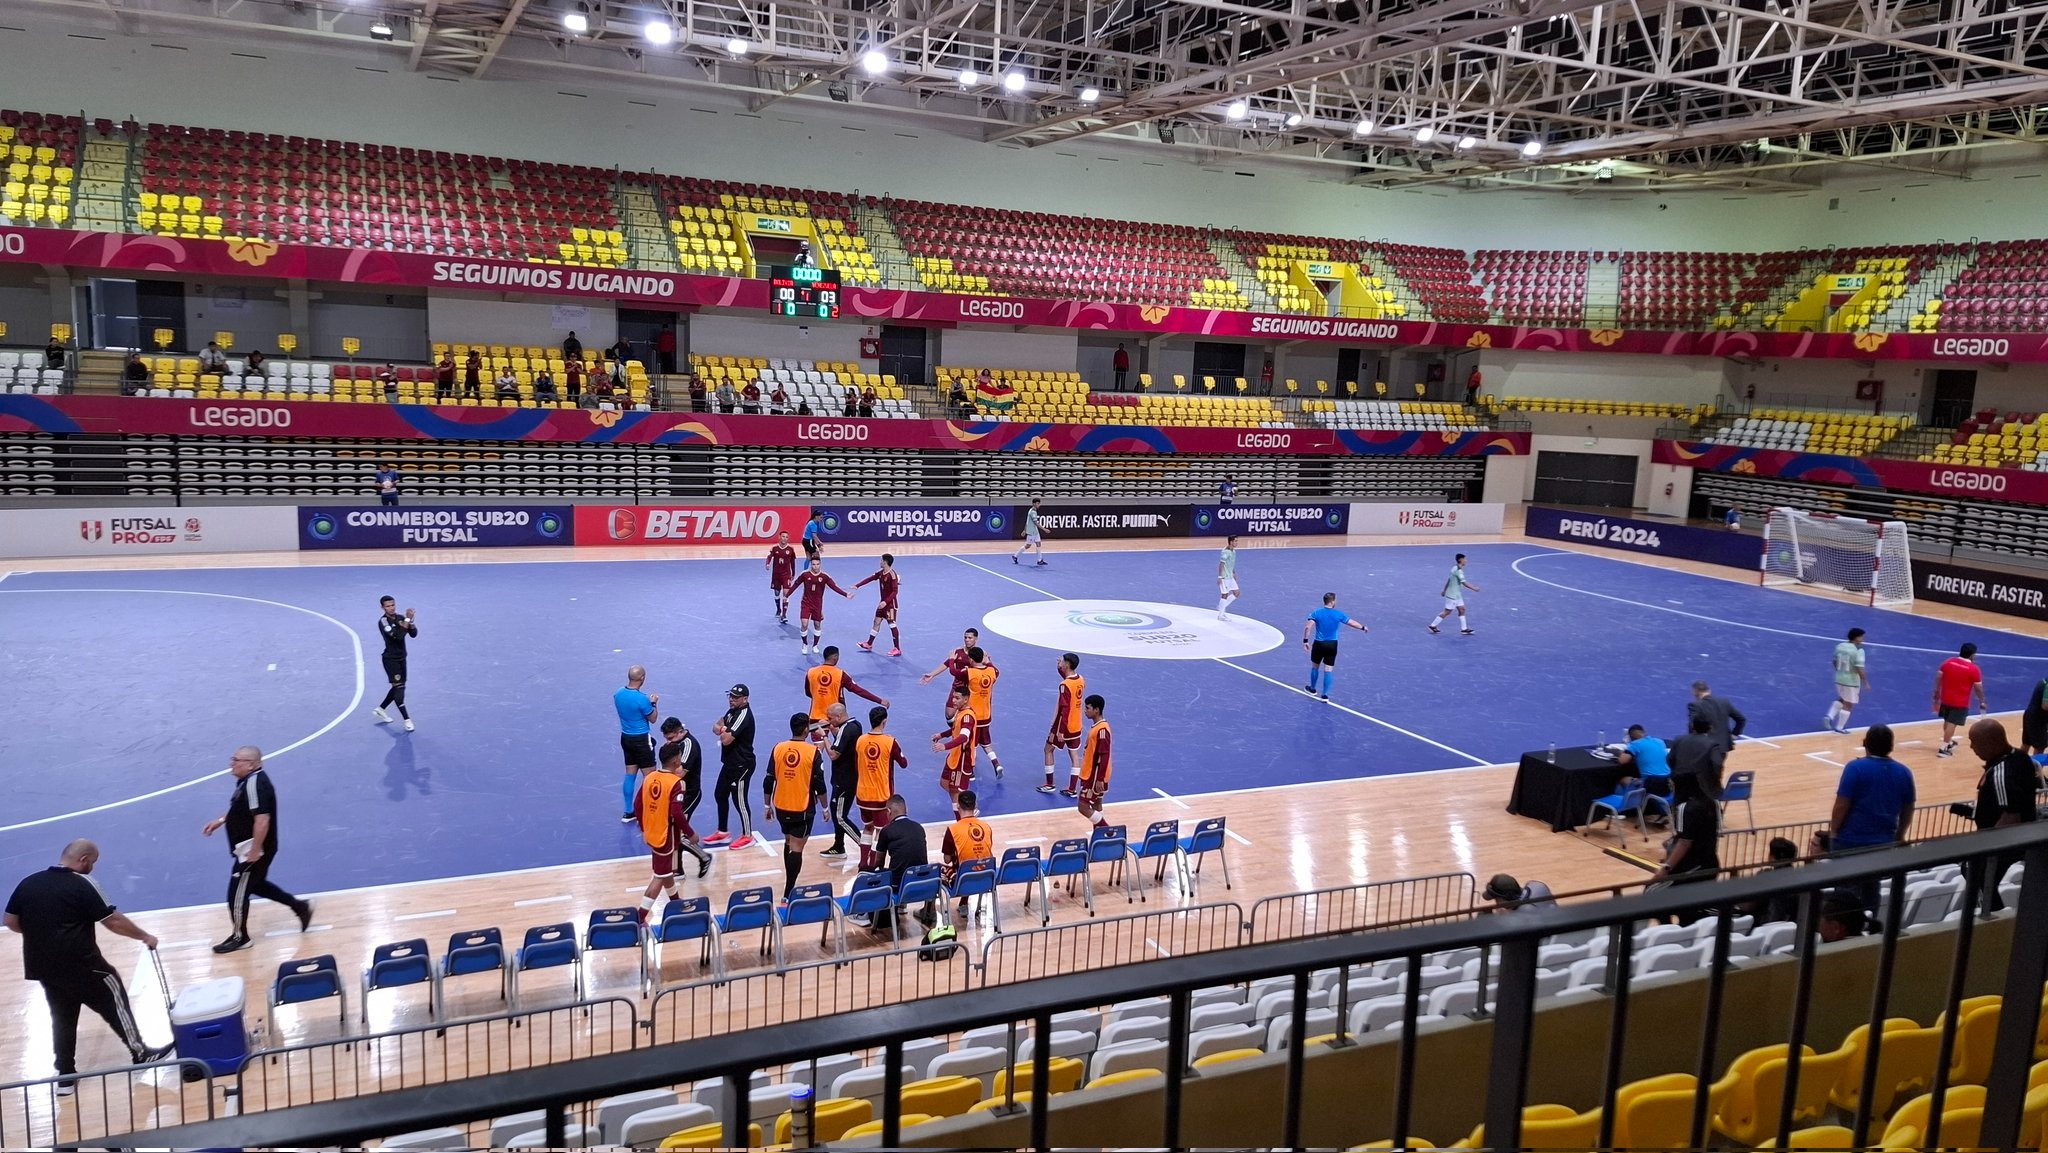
{"x": 1069, "y": 794}
{"x": 1946, "y": 751}
{"x": 234, "y": 942}
{"x": 305, "y": 912}
{"x": 832, "y": 851}
{"x": 1048, "y": 790}
{"x": 625, "y": 818}
{"x": 152, "y": 1056}
{"x": 703, "y": 866}
{"x": 1309, "y": 689}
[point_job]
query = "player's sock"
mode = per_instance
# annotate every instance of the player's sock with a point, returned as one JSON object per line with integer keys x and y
{"x": 1834, "y": 710}
{"x": 1074, "y": 782}
{"x": 792, "y": 864}
{"x": 1222, "y": 608}
{"x": 647, "y": 903}
{"x": 1329, "y": 678}
{"x": 895, "y": 637}
{"x": 1101, "y": 822}
{"x": 627, "y": 787}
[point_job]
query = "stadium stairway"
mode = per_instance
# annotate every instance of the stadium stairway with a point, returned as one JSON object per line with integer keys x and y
{"x": 1900, "y": 315}
{"x": 99, "y": 204}
{"x": 1798, "y": 281}
{"x": 647, "y": 239}
{"x": 1247, "y": 280}
{"x": 890, "y": 258}
{"x": 99, "y": 372}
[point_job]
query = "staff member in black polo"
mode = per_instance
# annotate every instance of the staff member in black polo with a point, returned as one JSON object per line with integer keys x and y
{"x": 55, "y": 911}
{"x": 251, "y": 822}
{"x": 2006, "y": 794}
{"x": 842, "y": 735}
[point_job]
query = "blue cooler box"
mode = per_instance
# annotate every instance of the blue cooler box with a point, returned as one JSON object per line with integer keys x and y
{"x": 206, "y": 1025}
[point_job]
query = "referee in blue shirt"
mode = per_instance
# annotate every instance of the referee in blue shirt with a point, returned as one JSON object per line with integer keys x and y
{"x": 1319, "y": 637}
{"x": 636, "y": 708}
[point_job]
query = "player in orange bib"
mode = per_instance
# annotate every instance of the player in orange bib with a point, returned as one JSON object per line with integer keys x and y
{"x": 795, "y": 785}
{"x": 968, "y": 838}
{"x": 981, "y": 691}
{"x": 828, "y": 684}
{"x": 959, "y": 751}
{"x": 876, "y": 757}
{"x": 1094, "y": 764}
{"x": 1066, "y": 723}
{"x": 665, "y": 826}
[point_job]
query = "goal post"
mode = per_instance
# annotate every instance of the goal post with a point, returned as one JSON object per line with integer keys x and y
{"x": 1866, "y": 557}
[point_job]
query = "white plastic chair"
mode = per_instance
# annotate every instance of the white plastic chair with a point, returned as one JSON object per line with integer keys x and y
{"x": 1280, "y": 1030}
{"x": 613, "y": 1111}
{"x": 1134, "y": 1029}
{"x": 1224, "y": 1038}
{"x": 980, "y": 1061}
{"x": 1134, "y": 1055}
{"x": 648, "y": 1129}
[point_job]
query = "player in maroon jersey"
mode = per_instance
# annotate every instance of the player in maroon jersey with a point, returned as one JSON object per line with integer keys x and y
{"x": 888, "y": 582}
{"x": 955, "y": 665}
{"x": 781, "y": 565}
{"x": 810, "y": 615}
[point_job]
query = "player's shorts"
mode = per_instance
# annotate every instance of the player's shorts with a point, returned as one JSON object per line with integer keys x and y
{"x": 1031, "y": 538}
{"x": 810, "y": 546}
{"x": 1452, "y": 605}
{"x": 1956, "y": 714}
{"x": 874, "y": 815}
{"x": 814, "y": 616}
{"x": 795, "y": 824}
{"x": 1322, "y": 653}
{"x": 1848, "y": 694}
{"x": 394, "y": 669}
{"x": 1228, "y": 585}
{"x": 663, "y": 861}
{"x": 1091, "y": 794}
{"x": 981, "y": 735}
{"x": 886, "y": 609}
{"x": 955, "y": 780}
{"x": 780, "y": 583}
{"x": 639, "y": 750}
{"x": 1061, "y": 739}
{"x": 387, "y": 498}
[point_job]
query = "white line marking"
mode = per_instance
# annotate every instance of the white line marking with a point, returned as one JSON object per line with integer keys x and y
{"x": 1234, "y": 835}
{"x": 530, "y": 901}
{"x": 1517, "y": 566}
{"x": 271, "y": 668}
{"x": 354, "y": 640}
{"x": 289, "y": 932}
{"x": 424, "y": 916}
{"x": 1249, "y": 672}
{"x": 163, "y": 945}
{"x": 761, "y": 843}
{"x": 1823, "y": 760}
{"x": 1171, "y": 797}
{"x": 1155, "y": 945}
{"x": 751, "y": 876}
{"x": 1763, "y": 742}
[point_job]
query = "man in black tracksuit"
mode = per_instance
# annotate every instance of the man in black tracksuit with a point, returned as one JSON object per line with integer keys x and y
{"x": 735, "y": 733}
{"x": 842, "y": 733}
{"x": 251, "y": 822}
{"x": 394, "y": 629}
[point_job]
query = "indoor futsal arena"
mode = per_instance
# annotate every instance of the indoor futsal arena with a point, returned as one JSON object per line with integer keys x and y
{"x": 1350, "y": 574}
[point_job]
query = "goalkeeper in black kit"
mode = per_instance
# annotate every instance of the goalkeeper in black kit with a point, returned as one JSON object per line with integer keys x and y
{"x": 395, "y": 630}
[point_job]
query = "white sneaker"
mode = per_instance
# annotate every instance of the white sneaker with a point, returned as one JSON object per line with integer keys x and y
{"x": 383, "y": 718}
{"x": 408, "y": 724}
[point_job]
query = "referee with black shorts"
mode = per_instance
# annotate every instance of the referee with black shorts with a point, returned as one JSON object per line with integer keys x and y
{"x": 55, "y": 911}
{"x": 790, "y": 795}
{"x": 394, "y": 629}
{"x": 636, "y": 709}
{"x": 251, "y": 822}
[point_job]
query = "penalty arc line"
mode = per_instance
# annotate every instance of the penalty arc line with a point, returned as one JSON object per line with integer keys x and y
{"x": 1389, "y": 725}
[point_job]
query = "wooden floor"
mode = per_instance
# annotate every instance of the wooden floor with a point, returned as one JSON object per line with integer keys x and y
{"x": 1287, "y": 839}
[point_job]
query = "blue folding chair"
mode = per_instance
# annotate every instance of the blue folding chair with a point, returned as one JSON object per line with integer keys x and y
{"x": 1161, "y": 843}
{"x": 750, "y": 910}
{"x": 1208, "y": 838}
{"x": 1621, "y": 803}
{"x": 1738, "y": 787}
{"x": 473, "y": 951}
{"x": 1023, "y": 866}
{"x": 1070, "y": 859}
{"x": 920, "y": 885}
{"x": 974, "y": 879}
{"x": 396, "y": 965}
{"x": 870, "y": 896}
{"x": 548, "y": 947}
{"x": 612, "y": 929}
{"x": 304, "y": 980}
{"x": 811, "y": 905}
{"x": 1107, "y": 844}
{"x": 686, "y": 919}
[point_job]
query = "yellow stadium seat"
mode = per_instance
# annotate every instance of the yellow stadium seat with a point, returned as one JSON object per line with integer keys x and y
{"x": 941, "y": 1096}
{"x": 1064, "y": 1076}
{"x": 830, "y": 1118}
{"x": 1744, "y": 1100}
{"x": 710, "y": 1136}
{"x": 1127, "y": 1077}
{"x": 1905, "y": 1063}
{"x": 1962, "y": 1117}
{"x": 874, "y": 1128}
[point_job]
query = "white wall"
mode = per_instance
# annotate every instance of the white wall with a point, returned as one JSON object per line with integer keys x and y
{"x": 488, "y": 318}
{"x": 255, "y": 313}
{"x": 1652, "y": 379}
{"x": 1677, "y": 501}
{"x": 1042, "y": 349}
{"x": 768, "y": 336}
{"x": 392, "y": 326}
{"x": 1509, "y": 479}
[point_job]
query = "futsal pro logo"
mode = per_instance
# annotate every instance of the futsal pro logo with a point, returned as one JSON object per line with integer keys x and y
{"x": 92, "y": 529}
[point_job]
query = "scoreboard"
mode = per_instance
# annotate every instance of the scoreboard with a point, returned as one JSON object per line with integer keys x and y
{"x": 803, "y": 291}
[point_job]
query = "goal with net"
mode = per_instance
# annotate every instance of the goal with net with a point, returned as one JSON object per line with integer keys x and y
{"x": 1866, "y": 557}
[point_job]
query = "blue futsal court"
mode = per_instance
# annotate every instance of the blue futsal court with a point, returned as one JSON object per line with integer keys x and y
{"x": 126, "y": 691}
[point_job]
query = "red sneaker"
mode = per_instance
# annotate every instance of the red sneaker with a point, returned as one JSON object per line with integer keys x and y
{"x": 895, "y": 652}
{"x": 743, "y": 842}
{"x": 866, "y": 646}
{"x": 717, "y": 838}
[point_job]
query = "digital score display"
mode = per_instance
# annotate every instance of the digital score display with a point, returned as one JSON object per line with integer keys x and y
{"x": 803, "y": 291}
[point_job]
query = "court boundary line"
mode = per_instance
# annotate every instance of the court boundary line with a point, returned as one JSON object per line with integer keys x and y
{"x": 1389, "y": 725}
{"x": 355, "y": 642}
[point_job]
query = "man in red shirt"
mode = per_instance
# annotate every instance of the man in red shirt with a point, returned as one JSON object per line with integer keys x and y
{"x": 962, "y": 728}
{"x": 887, "y": 582}
{"x": 1955, "y": 683}
{"x": 956, "y": 664}
{"x": 781, "y": 565}
{"x": 810, "y": 614}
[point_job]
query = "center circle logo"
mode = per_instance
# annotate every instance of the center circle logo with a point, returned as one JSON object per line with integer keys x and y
{"x": 1145, "y": 630}
{"x": 550, "y": 525}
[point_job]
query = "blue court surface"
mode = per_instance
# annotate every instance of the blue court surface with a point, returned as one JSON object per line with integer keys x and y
{"x": 127, "y": 691}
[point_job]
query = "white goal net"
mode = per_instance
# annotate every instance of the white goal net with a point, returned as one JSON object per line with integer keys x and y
{"x": 1865, "y": 557}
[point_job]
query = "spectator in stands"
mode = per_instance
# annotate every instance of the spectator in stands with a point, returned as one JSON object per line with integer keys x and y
{"x": 387, "y": 479}
{"x": 1226, "y": 492}
{"x": 1874, "y": 800}
{"x": 750, "y": 399}
{"x": 1120, "y": 366}
{"x": 1733, "y": 520}
{"x": 849, "y": 403}
{"x": 1781, "y": 854}
{"x": 698, "y": 400}
{"x": 508, "y": 384}
{"x": 665, "y": 350}
{"x": 573, "y": 375}
{"x": 1509, "y": 895}
{"x": 620, "y": 351}
{"x": 2034, "y": 719}
{"x": 868, "y": 398}
{"x": 444, "y": 377}
{"x": 962, "y": 406}
{"x": 778, "y": 401}
{"x": 388, "y": 377}
{"x": 1472, "y": 383}
{"x": 473, "y": 374}
{"x": 1841, "y": 915}
{"x": 728, "y": 399}
{"x": 54, "y": 354}
{"x": 803, "y": 407}
{"x": 212, "y": 361}
{"x": 1650, "y": 758}
{"x": 900, "y": 845}
{"x": 544, "y": 385}
{"x": 134, "y": 375}
{"x": 616, "y": 369}
{"x": 255, "y": 367}
{"x": 572, "y": 348}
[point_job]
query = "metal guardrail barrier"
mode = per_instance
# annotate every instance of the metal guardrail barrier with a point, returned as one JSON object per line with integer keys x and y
{"x": 734, "y": 1004}
{"x": 1351, "y": 908}
{"x": 1110, "y": 942}
{"x": 101, "y": 1104}
{"x": 1745, "y": 848}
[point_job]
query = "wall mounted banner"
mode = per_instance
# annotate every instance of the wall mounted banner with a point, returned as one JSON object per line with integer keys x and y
{"x": 1108, "y": 522}
{"x": 146, "y": 531}
{"x": 886, "y": 523}
{"x": 1659, "y": 538}
{"x": 433, "y": 526}
{"x": 1954, "y": 480}
{"x": 1270, "y": 519}
{"x": 657, "y": 524}
{"x": 1998, "y": 592}
{"x": 199, "y": 259}
{"x": 1425, "y": 519}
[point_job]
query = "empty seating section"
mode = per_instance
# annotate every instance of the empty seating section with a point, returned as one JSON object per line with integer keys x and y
{"x": 1768, "y": 274}
{"x": 1992, "y": 439}
{"x": 1796, "y": 430}
{"x": 1042, "y": 254}
{"x": 206, "y": 182}
{"x": 1545, "y": 288}
{"x": 1440, "y": 278}
{"x": 1676, "y": 290}
{"x": 1063, "y": 397}
{"x": 821, "y": 385}
{"x": 708, "y": 227}
{"x": 1390, "y": 414}
{"x": 1567, "y": 404}
{"x": 1273, "y": 258}
{"x": 41, "y": 155}
{"x": 2005, "y": 290}
{"x": 363, "y": 383}
{"x": 23, "y": 372}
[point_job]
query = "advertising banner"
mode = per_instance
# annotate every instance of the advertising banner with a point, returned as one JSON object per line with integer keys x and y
{"x": 433, "y": 526}
{"x": 1107, "y": 522}
{"x": 850, "y": 522}
{"x": 682, "y": 524}
{"x": 146, "y": 531}
{"x": 1425, "y": 519}
{"x": 1954, "y": 480}
{"x": 1659, "y": 538}
{"x": 1998, "y": 592}
{"x": 1270, "y": 519}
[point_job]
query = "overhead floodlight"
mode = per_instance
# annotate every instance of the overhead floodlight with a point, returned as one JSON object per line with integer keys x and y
{"x": 1363, "y": 126}
{"x": 1013, "y": 81}
{"x": 874, "y": 62}
{"x": 658, "y": 32}
{"x": 1425, "y": 134}
{"x": 1294, "y": 120}
{"x": 1468, "y": 141}
{"x": 1238, "y": 109}
{"x": 969, "y": 78}
{"x": 380, "y": 29}
{"x": 1090, "y": 94}
{"x": 736, "y": 46}
{"x": 576, "y": 21}
{"x": 1531, "y": 149}
{"x": 1604, "y": 171}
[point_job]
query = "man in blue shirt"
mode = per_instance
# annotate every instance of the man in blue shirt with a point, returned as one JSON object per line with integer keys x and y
{"x": 1874, "y": 801}
{"x": 387, "y": 484}
{"x": 636, "y": 708}
{"x": 1319, "y": 637}
{"x": 1652, "y": 760}
{"x": 814, "y": 535}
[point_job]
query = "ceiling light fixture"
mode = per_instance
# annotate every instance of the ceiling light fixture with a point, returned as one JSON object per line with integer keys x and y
{"x": 1090, "y": 94}
{"x": 1425, "y": 134}
{"x": 1468, "y": 141}
{"x": 1364, "y": 126}
{"x": 874, "y": 62}
{"x": 380, "y": 29}
{"x": 1531, "y": 149}
{"x": 576, "y": 22}
{"x": 658, "y": 32}
{"x": 1238, "y": 109}
{"x": 969, "y": 78}
{"x": 1294, "y": 120}
{"x": 1013, "y": 81}
{"x": 736, "y": 46}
